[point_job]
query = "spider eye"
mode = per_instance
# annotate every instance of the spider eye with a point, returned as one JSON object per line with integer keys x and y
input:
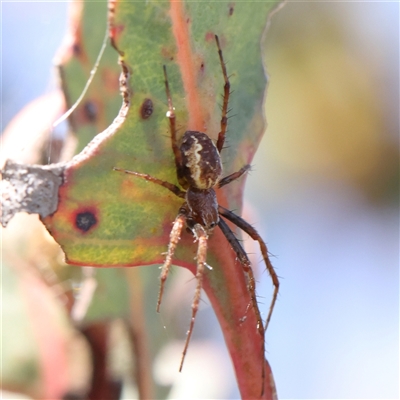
{"x": 212, "y": 225}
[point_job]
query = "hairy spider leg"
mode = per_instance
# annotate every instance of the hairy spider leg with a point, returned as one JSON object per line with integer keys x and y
{"x": 176, "y": 230}
{"x": 227, "y": 87}
{"x": 172, "y": 126}
{"x": 246, "y": 227}
{"x": 234, "y": 176}
{"x": 174, "y": 238}
{"x": 246, "y": 265}
{"x": 251, "y": 286}
{"x": 173, "y": 188}
{"x": 202, "y": 237}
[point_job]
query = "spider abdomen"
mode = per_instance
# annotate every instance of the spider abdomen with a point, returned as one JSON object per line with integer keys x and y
{"x": 201, "y": 162}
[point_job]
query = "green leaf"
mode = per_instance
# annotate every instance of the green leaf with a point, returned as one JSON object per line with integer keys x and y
{"x": 133, "y": 216}
{"x": 102, "y": 101}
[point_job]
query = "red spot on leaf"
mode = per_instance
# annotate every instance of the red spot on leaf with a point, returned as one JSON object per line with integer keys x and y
{"x": 84, "y": 219}
{"x": 88, "y": 112}
{"x": 91, "y": 110}
{"x": 78, "y": 47}
{"x": 167, "y": 53}
{"x": 210, "y": 37}
{"x": 146, "y": 109}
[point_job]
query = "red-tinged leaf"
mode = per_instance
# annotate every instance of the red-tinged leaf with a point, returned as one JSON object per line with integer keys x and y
{"x": 106, "y": 218}
{"x": 76, "y": 58}
{"x": 119, "y": 205}
{"x": 42, "y": 349}
{"x": 50, "y": 327}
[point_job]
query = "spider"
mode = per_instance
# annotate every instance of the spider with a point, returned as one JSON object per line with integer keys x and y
{"x": 199, "y": 169}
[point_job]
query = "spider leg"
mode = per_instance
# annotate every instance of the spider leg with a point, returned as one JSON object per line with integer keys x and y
{"x": 234, "y": 176}
{"x": 244, "y": 260}
{"x": 171, "y": 187}
{"x": 227, "y": 86}
{"x": 246, "y": 265}
{"x": 172, "y": 126}
{"x": 246, "y": 227}
{"x": 174, "y": 238}
{"x": 201, "y": 236}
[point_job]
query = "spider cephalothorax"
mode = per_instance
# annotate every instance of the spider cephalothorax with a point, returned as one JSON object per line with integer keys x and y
{"x": 199, "y": 170}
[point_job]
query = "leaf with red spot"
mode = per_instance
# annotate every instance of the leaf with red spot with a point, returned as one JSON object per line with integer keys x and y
{"x": 116, "y": 203}
{"x": 105, "y": 218}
